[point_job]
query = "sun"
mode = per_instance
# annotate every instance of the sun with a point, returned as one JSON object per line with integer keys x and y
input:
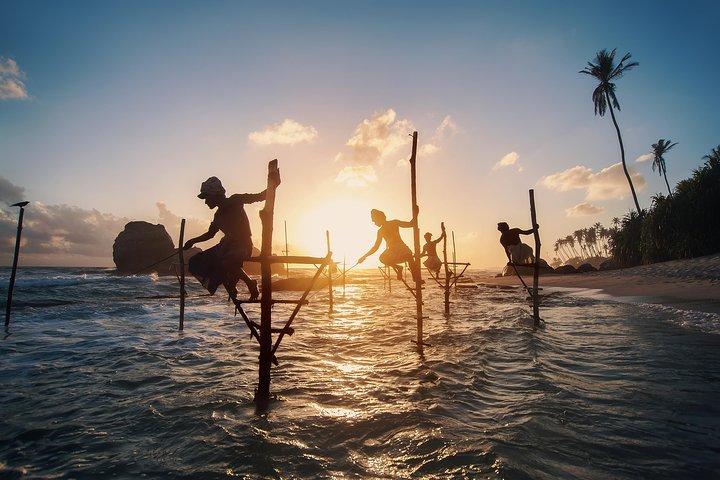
{"x": 351, "y": 231}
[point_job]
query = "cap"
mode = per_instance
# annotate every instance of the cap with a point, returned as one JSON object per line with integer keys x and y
{"x": 211, "y": 186}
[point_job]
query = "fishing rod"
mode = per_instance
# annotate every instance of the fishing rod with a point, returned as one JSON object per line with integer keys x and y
{"x": 177, "y": 250}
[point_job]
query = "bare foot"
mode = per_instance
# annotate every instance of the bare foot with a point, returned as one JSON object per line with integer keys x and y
{"x": 254, "y": 293}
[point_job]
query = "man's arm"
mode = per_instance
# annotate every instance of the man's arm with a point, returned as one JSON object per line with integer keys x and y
{"x": 374, "y": 248}
{"x": 212, "y": 230}
{"x": 528, "y": 232}
{"x": 254, "y": 197}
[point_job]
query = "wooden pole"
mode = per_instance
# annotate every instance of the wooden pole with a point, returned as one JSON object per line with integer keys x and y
{"x": 262, "y": 396}
{"x": 536, "y": 271}
{"x": 182, "y": 275}
{"x": 8, "y": 307}
{"x": 447, "y": 271}
{"x": 454, "y": 258}
{"x": 416, "y": 239}
{"x": 330, "y": 265}
{"x": 287, "y": 253}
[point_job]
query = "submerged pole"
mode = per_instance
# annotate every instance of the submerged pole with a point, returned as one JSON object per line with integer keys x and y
{"x": 330, "y": 267}
{"x": 8, "y": 307}
{"x": 536, "y": 271}
{"x": 447, "y": 271}
{"x": 287, "y": 253}
{"x": 182, "y": 275}
{"x": 416, "y": 240}
{"x": 262, "y": 396}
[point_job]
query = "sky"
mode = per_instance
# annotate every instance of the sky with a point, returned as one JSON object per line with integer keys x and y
{"x": 112, "y": 112}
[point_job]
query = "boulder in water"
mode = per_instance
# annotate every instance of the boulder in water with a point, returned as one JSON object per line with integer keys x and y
{"x": 141, "y": 244}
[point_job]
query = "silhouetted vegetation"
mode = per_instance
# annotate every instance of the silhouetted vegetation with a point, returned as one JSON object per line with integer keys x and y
{"x": 587, "y": 245}
{"x": 683, "y": 225}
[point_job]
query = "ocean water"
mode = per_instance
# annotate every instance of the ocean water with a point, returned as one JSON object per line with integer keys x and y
{"x": 97, "y": 382}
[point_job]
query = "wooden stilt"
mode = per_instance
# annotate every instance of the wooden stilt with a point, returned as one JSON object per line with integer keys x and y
{"x": 330, "y": 276}
{"x": 11, "y": 286}
{"x": 181, "y": 253}
{"x": 262, "y": 395}
{"x": 447, "y": 271}
{"x": 287, "y": 253}
{"x": 416, "y": 239}
{"x": 536, "y": 271}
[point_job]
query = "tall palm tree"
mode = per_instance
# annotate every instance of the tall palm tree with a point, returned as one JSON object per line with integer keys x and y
{"x": 605, "y": 70}
{"x": 659, "y": 149}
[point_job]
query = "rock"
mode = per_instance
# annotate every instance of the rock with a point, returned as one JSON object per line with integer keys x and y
{"x": 566, "y": 269}
{"x": 523, "y": 270}
{"x": 141, "y": 244}
{"x": 586, "y": 267}
{"x": 609, "y": 264}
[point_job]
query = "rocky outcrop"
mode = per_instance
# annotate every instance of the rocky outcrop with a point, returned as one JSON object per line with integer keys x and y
{"x": 586, "y": 267}
{"x": 523, "y": 270}
{"x": 141, "y": 244}
{"x": 609, "y": 264}
{"x": 565, "y": 269}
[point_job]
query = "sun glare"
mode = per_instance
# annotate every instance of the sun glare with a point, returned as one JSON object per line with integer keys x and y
{"x": 352, "y": 233}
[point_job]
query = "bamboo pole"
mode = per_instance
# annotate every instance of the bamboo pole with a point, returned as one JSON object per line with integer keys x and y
{"x": 182, "y": 275}
{"x": 536, "y": 271}
{"x": 8, "y": 307}
{"x": 330, "y": 277}
{"x": 287, "y": 253}
{"x": 447, "y": 271}
{"x": 262, "y": 396}
{"x": 416, "y": 239}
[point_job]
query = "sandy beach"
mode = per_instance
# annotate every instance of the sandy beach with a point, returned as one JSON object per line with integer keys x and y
{"x": 692, "y": 284}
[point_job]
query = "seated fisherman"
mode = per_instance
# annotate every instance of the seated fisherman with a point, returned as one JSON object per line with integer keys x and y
{"x": 516, "y": 251}
{"x": 223, "y": 263}
{"x": 433, "y": 262}
{"x": 396, "y": 252}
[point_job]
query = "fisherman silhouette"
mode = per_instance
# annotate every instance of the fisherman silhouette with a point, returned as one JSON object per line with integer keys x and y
{"x": 223, "y": 263}
{"x": 433, "y": 262}
{"x": 517, "y": 252}
{"x": 396, "y": 252}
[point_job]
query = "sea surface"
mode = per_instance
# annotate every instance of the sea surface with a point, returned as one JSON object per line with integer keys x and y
{"x": 98, "y": 382}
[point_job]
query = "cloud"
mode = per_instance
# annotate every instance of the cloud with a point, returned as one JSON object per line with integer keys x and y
{"x": 609, "y": 183}
{"x": 289, "y": 132}
{"x": 447, "y": 125}
{"x": 508, "y": 160}
{"x": 378, "y": 138}
{"x": 583, "y": 209}
{"x": 55, "y": 231}
{"x": 430, "y": 147}
{"x": 10, "y": 193}
{"x": 11, "y": 84}
{"x": 357, "y": 176}
{"x": 645, "y": 158}
{"x": 193, "y": 226}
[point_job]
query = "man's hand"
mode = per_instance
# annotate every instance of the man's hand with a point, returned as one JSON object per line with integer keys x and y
{"x": 188, "y": 245}
{"x": 361, "y": 259}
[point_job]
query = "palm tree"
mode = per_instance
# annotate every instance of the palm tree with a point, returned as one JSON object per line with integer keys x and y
{"x": 659, "y": 149}
{"x": 713, "y": 156}
{"x": 605, "y": 70}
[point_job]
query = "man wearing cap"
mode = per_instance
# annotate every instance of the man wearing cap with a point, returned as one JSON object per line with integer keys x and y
{"x": 223, "y": 263}
{"x": 516, "y": 251}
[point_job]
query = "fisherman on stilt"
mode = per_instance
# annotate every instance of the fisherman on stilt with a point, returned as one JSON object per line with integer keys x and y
{"x": 396, "y": 251}
{"x": 223, "y": 263}
{"x": 433, "y": 262}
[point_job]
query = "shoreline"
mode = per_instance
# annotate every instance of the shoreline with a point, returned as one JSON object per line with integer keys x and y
{"x": 691, "y": 284}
